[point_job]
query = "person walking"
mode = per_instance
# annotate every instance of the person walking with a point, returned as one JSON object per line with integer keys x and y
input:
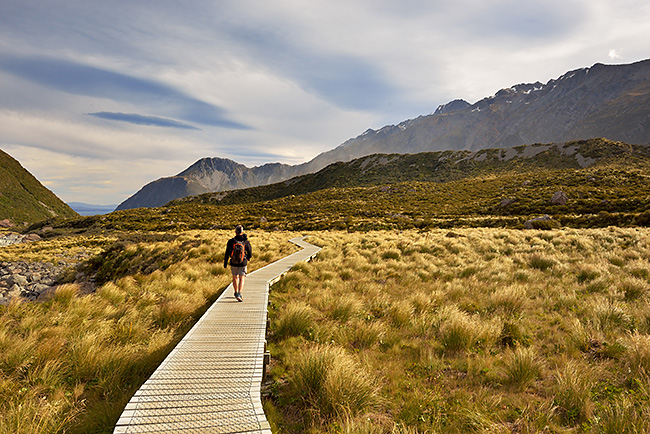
{"x": 238, "y": 252}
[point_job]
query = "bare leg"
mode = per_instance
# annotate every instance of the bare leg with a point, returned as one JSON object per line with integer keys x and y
{"x": 238, "y": 284}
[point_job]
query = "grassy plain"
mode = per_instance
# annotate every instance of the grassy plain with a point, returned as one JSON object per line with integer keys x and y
{"x": 470, "y": 330}
{"x": 69, "y": 364}
{"x": 402, "y": 331}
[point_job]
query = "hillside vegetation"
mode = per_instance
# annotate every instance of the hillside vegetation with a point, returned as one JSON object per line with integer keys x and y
{"x": 23, "y": 198}
{"x": 442, "y": 167}
{"x": 606, "y": 184}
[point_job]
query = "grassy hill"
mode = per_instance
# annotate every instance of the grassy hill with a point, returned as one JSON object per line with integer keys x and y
{"x": 23, "y": 198}
{"x": 440, "y": 167}
{"x": 606, "y": 184}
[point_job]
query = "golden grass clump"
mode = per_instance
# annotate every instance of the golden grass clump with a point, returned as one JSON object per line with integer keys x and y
{"x": 623, "y": 416}
{"x": 637, "y": 354}
{"x": 573, "y": 385}
{"x": 460, "y": 331}
{"x": 296, "y": 319}
{"x": 332, "y": 383}
{"x": 522, "y": 367}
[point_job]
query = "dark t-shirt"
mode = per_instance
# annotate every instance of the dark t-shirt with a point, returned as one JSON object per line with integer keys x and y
{"x": 247, "y": 246}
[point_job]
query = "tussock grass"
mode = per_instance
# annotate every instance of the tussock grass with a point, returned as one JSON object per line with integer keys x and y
{"x": 295, "y": 319}
{"x": 522, "y": 366}
{"x": 573, "y": 384}
{"x": 624, "y": 416}
{"x": 332, "y": 382}
{"x": 460, "y": 331}
{"x": 638, "y": 354}
{"x": 476, "y": 330}
{"x": 436, "y": 331}
{"x": 69, "y": 364}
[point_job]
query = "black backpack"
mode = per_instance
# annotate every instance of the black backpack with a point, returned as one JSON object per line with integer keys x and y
{"x": 238, "y": 253}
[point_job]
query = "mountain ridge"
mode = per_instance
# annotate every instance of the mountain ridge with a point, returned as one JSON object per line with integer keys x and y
{"x": 609, "y": 101}
{"x": 603, "y": 183}
{"x": 439, "y": 167}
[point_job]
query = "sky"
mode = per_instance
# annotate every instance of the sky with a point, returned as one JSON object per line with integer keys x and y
{"x": 99, "y": 98}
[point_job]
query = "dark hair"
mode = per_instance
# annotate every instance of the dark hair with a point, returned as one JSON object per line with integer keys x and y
{"x": 239, "y": 229}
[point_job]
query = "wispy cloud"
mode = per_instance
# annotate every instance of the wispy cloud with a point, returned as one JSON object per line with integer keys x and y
{"x": 87, "y": 80}
{"x": 143, "y": 120}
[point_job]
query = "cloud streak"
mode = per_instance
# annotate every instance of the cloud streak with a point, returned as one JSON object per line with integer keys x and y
{"x": 86, "y": 80}
{"x": 143, "y": 120}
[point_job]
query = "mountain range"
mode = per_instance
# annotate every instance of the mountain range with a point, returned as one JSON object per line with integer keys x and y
{"x": 585, "y": 183}
{"x": 609, "y": 101}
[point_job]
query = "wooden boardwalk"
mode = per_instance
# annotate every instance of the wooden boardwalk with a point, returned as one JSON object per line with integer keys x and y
{"x": 210, "y": 383}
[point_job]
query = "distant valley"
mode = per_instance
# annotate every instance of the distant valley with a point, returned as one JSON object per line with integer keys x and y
{"x": 86, "y": 209}
{"x": 610, "y": 101}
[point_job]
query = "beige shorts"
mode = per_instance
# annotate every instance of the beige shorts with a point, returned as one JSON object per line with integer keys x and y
{"x": 238, "y": 271}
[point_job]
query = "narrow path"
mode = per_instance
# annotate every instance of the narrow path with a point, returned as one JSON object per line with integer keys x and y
{"x": 210, "y": 383}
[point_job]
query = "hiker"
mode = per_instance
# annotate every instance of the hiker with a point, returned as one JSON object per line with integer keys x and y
{"x": 239, "y": 252}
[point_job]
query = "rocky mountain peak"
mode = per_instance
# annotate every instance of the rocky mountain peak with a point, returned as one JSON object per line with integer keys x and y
{"x": 453, "y": 106}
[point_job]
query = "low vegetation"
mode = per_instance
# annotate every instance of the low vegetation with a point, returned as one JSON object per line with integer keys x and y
{"x": 470, "y": 330}
{"x": 70, "y": 363}
{"x": 422, "y": 191}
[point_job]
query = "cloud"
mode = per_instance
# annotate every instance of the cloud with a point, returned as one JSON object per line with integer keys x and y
{"x": 80, "y": 79}
{"x": 143, "y": 120}
{"x": 263, "y": 81}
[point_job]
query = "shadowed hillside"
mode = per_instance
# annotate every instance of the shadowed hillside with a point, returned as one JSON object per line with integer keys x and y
{"x": 23, "y": 198}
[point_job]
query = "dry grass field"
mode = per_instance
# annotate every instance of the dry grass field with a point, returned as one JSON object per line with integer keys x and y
{"x": 470, "y": 330}
{"x": 69, "y": 364}
{"x": 440, "y": 331}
